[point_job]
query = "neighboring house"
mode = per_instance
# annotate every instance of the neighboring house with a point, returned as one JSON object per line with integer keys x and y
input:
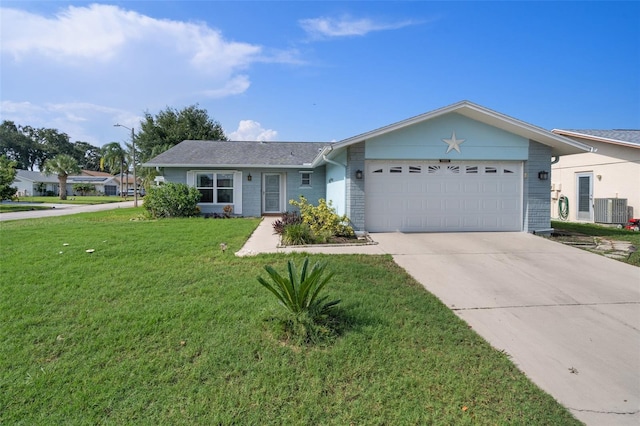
{"x": 31, "y": 183}
{"x": 103, "y": 182}
{"x": 127, "y": 183}
{"x": 459, "y": 168}
{"x": 597, "y": 184}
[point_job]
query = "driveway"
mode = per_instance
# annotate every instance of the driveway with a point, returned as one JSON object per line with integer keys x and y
{"x": 568, "y": 318}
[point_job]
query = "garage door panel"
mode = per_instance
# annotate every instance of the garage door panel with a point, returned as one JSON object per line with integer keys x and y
{"x": 471, "y": 196}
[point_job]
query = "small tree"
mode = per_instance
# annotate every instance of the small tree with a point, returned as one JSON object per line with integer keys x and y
{"x": 7, "y": 176}
{"x": 114, "y": 157}
{"x": 172, "y": 200}
{"x": 62, "y": 165}
{"x": 83, "y": 188}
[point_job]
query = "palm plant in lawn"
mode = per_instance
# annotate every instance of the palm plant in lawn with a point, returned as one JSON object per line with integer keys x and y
{"x": 61, "y": 165}
{"x": 299, "y": 294}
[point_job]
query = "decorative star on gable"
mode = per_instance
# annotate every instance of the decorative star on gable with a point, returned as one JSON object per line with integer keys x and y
{"x": 453, "y": 142}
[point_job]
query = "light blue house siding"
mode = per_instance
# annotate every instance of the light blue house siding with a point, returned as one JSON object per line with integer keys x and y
{"x": 355, "y": 187}
{"x": 423, "y": 141}
{"x": 536, "y": 192}
{"x": 252, "y": 190}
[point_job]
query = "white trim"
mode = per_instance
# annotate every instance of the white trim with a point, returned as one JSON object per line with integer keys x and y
{"x": 578, "y": 175}
{"x": 282, "y": 192}
{"x": 237, "y": 186}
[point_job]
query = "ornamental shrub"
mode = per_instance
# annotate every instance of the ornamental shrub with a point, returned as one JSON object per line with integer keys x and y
{"x": 172, "y": 200}
{"x": 298, "y": 292}
{"x": 297, "y": 234}
{"x": 323, "y": 219}
{"x": 288, "y": 218}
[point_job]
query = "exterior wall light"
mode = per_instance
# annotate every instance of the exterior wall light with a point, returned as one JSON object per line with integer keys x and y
{"x": 358, "y": 174}
{"x": 543, "y": 175}
{"x": 249, "y": 177}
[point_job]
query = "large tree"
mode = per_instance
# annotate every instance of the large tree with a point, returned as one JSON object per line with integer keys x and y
{"x": 7, "y": 176}
{"x": 170, "y": 127}
{"x": 17, "y": 146}
{"x": 88, "y": 155}
{"x": 49, "y": 143}
{"x": 114, "y": 157}
{"x": 61, "y": 165}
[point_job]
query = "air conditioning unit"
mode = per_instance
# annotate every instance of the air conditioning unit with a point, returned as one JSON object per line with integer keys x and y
{"x": 610, "y": 210}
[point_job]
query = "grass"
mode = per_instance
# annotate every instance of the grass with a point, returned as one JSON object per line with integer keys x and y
{"x": 159, "y": 326}
{"x": 606, "y": 232}
{"x": 76, "y": 199}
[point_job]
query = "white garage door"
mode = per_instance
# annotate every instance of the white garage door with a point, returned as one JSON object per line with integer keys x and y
{"x": 423, "y": 196}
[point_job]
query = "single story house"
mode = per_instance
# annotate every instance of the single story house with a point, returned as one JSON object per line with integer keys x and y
{"x": 601, "y": 186}
{"x": 104, "y": 183}
{"x": 30, "y": 183}
{"x": 455, "y": 169}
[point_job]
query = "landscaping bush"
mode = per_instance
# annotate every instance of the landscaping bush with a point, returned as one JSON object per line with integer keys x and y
{"x": 323, "y": 219}
{"x": 298, "y": 234}
{"x": 307, "y": 317}
{"x": 288, "y": 218}
{"x": 172, "y": 200}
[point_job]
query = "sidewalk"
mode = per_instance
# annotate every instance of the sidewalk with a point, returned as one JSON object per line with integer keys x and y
{"x": 64, "y": 209}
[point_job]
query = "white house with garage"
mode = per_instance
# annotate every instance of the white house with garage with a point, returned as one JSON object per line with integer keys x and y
{"x": 601, "y": 186}
{"x": 461, "y": 168}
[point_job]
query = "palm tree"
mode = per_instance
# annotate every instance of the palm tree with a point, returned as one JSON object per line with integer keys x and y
{"x": 114, "y": 155}
{"x": 62, "y": 165}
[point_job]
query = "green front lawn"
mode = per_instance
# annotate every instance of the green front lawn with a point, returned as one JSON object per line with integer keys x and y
{"x": 159, "y": 326}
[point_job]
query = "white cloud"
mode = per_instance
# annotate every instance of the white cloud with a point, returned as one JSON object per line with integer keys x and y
{"x": 235, "y": 86}
{"x": 128, "y": 42}
{"x": 346, "y": 26}
{"x": 85, "y": 68}
{"x": 249, "y": 130}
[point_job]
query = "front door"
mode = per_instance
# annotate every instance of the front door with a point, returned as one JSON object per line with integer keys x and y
{"x": 584, "y": 202}
{"x": 272, "y": 193}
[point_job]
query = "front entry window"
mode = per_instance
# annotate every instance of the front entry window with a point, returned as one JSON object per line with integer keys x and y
{"x": 216, "y": 188}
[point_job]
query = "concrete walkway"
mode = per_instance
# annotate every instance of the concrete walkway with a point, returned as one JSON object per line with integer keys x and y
{"x": 569, "y": 319}
{"x": 64, "y": 209}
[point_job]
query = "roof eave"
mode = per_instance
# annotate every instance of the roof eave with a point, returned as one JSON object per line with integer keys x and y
{"x": 570, "y": 134}
{"x": 229, "y": 166}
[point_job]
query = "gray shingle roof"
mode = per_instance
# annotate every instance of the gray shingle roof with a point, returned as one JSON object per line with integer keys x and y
{"x": 35, "y": 176}
{"x": 237, "y": 153}
{"x": 626, "y": 136}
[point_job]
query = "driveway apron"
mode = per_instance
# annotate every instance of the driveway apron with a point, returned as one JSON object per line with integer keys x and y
{"x": 568, "y": 318}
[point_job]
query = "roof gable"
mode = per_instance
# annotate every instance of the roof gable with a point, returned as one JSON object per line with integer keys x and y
{"x": 559, "y": 144}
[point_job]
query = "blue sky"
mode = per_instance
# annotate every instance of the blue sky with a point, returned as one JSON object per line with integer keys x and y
{"x": 316, "y": 71}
